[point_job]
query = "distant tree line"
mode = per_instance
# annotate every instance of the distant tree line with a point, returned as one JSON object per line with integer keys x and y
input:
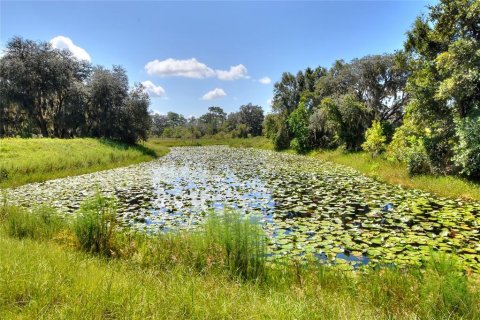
{"x": 45, "y": 91}
{"x": 247, "y": 122}
{"x": 420, "y": 105}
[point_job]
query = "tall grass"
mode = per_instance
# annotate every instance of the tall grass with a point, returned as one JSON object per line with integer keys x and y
{"x": 242, "y": 242}
{"x": 95, "y": 224}
{"x": 20, "y": 223}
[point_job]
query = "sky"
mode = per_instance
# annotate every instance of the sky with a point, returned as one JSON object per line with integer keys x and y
{"x": 192, "y": 55}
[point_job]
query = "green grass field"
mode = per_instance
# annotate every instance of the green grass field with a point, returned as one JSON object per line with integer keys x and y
{"x": 33, "y": 160}
{"x": 46, "y": 274}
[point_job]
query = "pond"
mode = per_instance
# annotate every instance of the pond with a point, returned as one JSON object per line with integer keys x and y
{"x": 306, "y": 206}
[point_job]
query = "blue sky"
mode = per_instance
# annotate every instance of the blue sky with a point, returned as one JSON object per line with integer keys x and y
{"x": 193, "y": 55}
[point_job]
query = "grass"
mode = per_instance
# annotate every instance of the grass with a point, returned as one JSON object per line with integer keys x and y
{"x": 34, "y": 160}
{"x": 396, "y": 173}
{"x": 199, "y": 275}
{"x": 255, "y": 142}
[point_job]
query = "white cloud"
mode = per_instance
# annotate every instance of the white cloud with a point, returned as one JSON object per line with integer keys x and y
{"x": 153, "y": 90}
{"x": 61, "y": 42}
{"x": 265, "y": 80}
{"x": 270, "y": 101}
{"x": 214, "y": 94}
{"x": 192, "y": 68}
{"x": 235, "y": 73}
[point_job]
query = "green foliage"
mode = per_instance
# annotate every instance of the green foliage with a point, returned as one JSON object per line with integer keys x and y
{"x": 281, "y": 140}
{"x": 375, "y": 139}
{"x": 298, "y": 124}
{"x": 49, "y": 92}
{"x": 95, "y": 224}
{"x": 418, "y": 163}
{"x": 352, "y": 120}
{"x": 271, "y": 125}
{"x": 444, "y": 54}
{"x": 467, "y": 152}
{"x": 405, "y": 140}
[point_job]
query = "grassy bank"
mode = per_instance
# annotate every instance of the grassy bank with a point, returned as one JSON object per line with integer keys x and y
{"x": 217, "y": 273}
{"x": 33, "y": 160}
{"x": 396, "y": 173}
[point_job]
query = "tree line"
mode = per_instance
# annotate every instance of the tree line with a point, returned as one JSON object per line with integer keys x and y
{"x": 45, "y": 91}
{"x": 246, "y": 122}
{"x": 419, "y": 105}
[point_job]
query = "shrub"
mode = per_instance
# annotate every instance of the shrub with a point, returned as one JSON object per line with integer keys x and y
{"x": 375, "y": 139}
{"x": 298, "y": 124}
{"x": 95, "y": 225}
{"x": 406, "y": 139}
{"x": 418, "y": 163}
{"x": 467, "y": 152}
{"x": 281, "y": 140}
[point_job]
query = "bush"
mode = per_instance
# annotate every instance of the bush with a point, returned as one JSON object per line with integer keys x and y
{"x": 467, "y": 152}
{"x": 282, "y": 139}
{"x": 406, "y": 139}
{"x": 298, "y": 124}
{"x": 418, "y": 163}
{"x": 375, "y": 139}
{"x": 95, "y": 225}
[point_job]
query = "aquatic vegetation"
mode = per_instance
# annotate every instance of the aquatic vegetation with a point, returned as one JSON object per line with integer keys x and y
{"x": 308, "y": 208}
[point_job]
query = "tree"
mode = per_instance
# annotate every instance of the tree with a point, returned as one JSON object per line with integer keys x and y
{"x": 286, "y": 94}
{"x": 108, "y": 90}
{"x": 444, "y": 53}
{"x": 252, "y": 117}
{"x": 40, "y": 80}
{"x": 135, "y": 119}
{"x": 174, "y": 120}
{"x": 159, "y": 123}
{"x": 213, "y": 119}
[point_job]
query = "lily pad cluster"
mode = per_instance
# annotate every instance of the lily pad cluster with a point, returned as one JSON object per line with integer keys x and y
{"x": 308, "y": 208}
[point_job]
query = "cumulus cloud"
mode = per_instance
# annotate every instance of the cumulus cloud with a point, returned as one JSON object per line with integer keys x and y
{"x": 192, "y": 68}
{"x": 270, "y": 102}
{"x": 265, "y": 80}
{"x": 153, "y": 90}
{"x": 61, "y": 42}
{"x": 235, "y": 73}
{"x": 214, "y": 94}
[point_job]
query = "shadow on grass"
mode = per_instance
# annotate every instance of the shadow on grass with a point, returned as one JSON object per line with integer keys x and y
{"x": 115, "y": 144}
